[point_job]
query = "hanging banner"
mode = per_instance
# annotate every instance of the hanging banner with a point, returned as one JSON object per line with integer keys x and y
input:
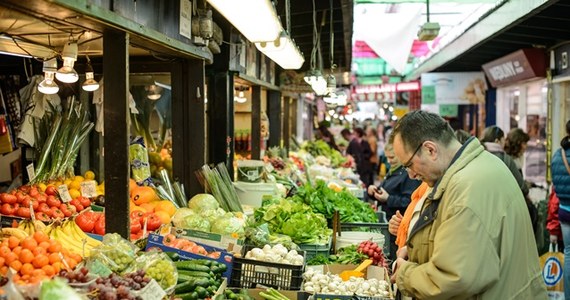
{"x": 454, "y": 88}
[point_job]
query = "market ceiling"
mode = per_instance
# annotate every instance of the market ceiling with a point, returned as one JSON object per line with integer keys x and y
{"x": 545, "y": 27}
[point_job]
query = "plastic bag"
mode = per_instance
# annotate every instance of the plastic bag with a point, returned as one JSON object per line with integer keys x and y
{"x": 140, "y": 166}
{"x": 115, "y": 253}
{"x": 552, "y": 269}
{"x": 158, "y": 266}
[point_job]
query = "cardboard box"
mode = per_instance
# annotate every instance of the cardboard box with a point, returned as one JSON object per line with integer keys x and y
{"x": 7, "y": 165}
{"x": 211, "y": 239}
{"x": 377, "y": 272}
{"x": 155, "y": 242}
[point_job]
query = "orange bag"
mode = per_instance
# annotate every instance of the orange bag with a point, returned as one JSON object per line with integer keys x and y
{"x": 552, "y": 263}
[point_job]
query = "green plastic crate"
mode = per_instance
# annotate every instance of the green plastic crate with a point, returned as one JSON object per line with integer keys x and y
{"x": 312, "y": 250}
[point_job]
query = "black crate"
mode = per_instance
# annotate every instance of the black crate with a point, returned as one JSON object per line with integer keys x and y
{"x": 248, "y": 273}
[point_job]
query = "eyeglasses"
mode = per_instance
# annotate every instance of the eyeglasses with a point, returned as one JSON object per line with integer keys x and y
{"x": 409, "y": 163}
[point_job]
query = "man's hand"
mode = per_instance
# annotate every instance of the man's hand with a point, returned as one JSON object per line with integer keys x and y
{"x": 402, "y": 253}
{"x": 396, "y": 268}
{"x": 394, "y": 223}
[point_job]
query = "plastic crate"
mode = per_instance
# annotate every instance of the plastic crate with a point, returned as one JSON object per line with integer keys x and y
{"x": 312, "y": 250}
{"x": 248, "y": 273}
{"x": 342, "y": 297}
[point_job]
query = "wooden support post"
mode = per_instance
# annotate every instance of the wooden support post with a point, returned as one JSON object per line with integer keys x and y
{"x": 256, "y": 122}
{"x": 116, "y": 143}
{"x": 274, "y": 115}
{"x": 188, "y": 126}
{"x": 221, "y": 120}
{"x": 287, "y": 122}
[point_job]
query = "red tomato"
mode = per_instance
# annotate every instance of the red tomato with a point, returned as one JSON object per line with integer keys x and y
{"x": 42, "y": 216}
{"x": 20, "y": 197}
{"x": 34, "y": 192}
{"x": 51, "y": 190}
{"x": 135, "y": 226}
{"x": 100, "y": 226}
{"x": 43, "y": 207}
{"x": 153, "y": 222}
{"x": 7, "y": 209}
{"x": 52, "y": 201}
{"x": 74, "y": 202}
{"x": 7, "y": 198}
{"x": 85, "y": 222}
{"x": 41, "y": 198}
{"x": 136, "y": 236}
{"x": 85, "y": 201}
{"x": 56, "y": 213}
{"x": 23, "y": 212}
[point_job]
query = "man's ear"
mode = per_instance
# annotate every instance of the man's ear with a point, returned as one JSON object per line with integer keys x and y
{"x": 431, "y": 148}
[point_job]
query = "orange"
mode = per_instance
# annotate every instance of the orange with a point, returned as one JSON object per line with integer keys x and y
{"x": 38, "y": 273}
{"x": 163, "y": 216}
{"x": 26, "y": 256}
{"x": 149, "y": 207}
{"x": 72, "y": 263}
{"x": 44, "y": 245}
{"x": 39, "y": 236}
{"x": 13, "y": 242}
{"x": 16, "y": 265}
{"x": 4, "y": 250}
{"x": 29, "y": 243}
{"x": 49, "y": 270}
{"x": 39, "y": 251}
{"x": 10, "y": 257}
{"x": 76, "y": 257}
{"x": 2, "y": 261}
{"x": 137, "y": 208}
{"x": 54, "y": 246}
{"x": 166, "y": 206}
{"x": 4, "y": 270}
{"x": 27, "y": 269}
{"x": 17, "y": 250}
{"x": 40, "y": 261}
{"x": 57, "y": 266}
{"x": 54, "y": 258}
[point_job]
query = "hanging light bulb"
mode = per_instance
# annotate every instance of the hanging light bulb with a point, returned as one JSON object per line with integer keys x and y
{"x": 331, "y": 85}
{"x": 90, "y": 83}
{"x": 48, "y": 85}
{"x": 67, "y": 73}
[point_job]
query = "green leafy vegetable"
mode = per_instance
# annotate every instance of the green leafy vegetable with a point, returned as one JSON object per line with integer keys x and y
{"x": 321, "y": 148}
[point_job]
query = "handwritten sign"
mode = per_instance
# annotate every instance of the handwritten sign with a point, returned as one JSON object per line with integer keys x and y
{"x": 31, "y": 171}
{"x": 64, "y": 193}
{"x": 88, "y": 189}
{"x": 152, "y": 291}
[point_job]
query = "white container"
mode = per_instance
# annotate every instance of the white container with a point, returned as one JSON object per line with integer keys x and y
{"x": 252, "y": 193}
{"x": 250, "y": 170}
{"x": 348, "y": 238}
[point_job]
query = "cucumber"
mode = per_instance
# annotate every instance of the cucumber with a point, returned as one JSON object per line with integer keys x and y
{"x": 204, "y": 262}
{"x": 188, "y": 296}
{"x": 219, "y": 268}
{"x": 202, "y": 292}
{"x": 191, "y": 285}
{"x": 195, "y": 273}
{"x": 188, "y": 265}
{"x": 173, "y": 255}
{"x": 185, "y": 277}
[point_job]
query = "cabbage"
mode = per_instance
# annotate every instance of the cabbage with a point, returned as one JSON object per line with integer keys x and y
{"x": 195, "y": 222}
{"x": 212, "y": 215}
{"x": 229, "y": 224}
{"x": 180, "y": 215}
{"x": 202, "y": 202}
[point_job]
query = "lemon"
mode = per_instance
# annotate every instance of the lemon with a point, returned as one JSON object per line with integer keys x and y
{"x": 74, "y": 193}
{"x": 42, "y": 186}
{"x": 89, "y": 175}
{"x": 67, "y": 182}
{"x": 75, "y": 185}
{"x": 79, "y": 178}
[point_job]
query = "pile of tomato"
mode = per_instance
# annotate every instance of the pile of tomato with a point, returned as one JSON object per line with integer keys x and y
{"x": 46, "y": 205}
{"x": 94, "y": 222}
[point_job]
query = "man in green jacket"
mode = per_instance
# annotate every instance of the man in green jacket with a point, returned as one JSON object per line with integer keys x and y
{"x": 473, "y": 238}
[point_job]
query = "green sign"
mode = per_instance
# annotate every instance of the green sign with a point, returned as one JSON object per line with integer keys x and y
{"x": 448, "y": 110}
{"x": 428, "y": 94}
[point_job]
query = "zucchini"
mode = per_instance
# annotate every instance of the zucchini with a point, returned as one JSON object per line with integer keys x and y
{"x": 202, "y": 292}
{"x": 219, "y": 268}
{"x": 188, "y": 265}
{"x": 188, "y": 296}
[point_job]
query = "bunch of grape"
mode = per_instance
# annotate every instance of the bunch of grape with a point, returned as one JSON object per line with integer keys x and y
{"x": 118, "y": 287}
{"x": 373, "y": 251}
{"x": 77, "y": 276}
{"x": 163, "y": 272}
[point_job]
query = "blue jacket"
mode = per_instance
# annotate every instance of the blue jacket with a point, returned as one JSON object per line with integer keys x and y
{"x": 560, "y": 177}
{"x": 400, "y": 187}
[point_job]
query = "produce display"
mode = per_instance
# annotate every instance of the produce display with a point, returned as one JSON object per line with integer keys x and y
{"x": 332, "y": 284}
{"x": 198, "y": 279}
{"x": 345, "y": 256}
{"x": 277, "y": 254}
{"x": 322, "y": 149}
{"x": 189, "y": 246}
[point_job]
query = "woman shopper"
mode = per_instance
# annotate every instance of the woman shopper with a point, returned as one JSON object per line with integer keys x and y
{"x": 515, "y": 146}
{"x": 373, "y": 142}
{"x": 561, "y": 180}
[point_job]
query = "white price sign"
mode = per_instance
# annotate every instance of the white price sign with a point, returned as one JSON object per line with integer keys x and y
{"x": 64, "y": 193}
{"x": 152, "y": 291}
{"x": 89, "y": 189}
{"x": 31, "y": 171}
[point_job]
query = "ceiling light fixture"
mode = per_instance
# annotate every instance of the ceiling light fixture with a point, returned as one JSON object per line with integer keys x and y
{"x": 90, "y": 83}
{"x": 67, "y": 73}
{"x": 48, "y": 85}
{"x": 255, "y": 19}
{"x": 283, "y": 51}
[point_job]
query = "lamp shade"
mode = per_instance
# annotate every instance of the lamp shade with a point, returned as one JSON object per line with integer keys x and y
{"x": 283, "y": 52}
{"x": 255, "y": 19}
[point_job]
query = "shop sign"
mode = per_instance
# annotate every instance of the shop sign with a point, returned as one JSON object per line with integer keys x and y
{"x": 561, "y": 60}
{"x": 521, "y": 65}
{"x": 186, "y": 18}
{"x": 388, "y": 87}
{"x": 453, "y": 88}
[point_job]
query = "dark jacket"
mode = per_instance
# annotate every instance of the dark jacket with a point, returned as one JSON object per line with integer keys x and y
{"x": 561, "y": 181}
{"x": 361, "y": 153}
{"x": 400, "y": 188}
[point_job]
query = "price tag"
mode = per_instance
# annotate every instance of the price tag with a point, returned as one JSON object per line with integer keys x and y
{"x": 152, "y": 291}
{"x": 64, "y": 193}
{"x": 31, "y": 171}
{"x": 88, "y": 189}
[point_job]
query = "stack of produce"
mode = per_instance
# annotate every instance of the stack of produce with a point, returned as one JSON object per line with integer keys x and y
{"x": 329, "y": 284}
{"x": 350, "y": 255}
{"x": 198, "y": 279}
{"x": 325, "y": 201}
{"x": 72, "y": 237}
{"x": 170, "y": 240}
{"x": 321, "y": 148}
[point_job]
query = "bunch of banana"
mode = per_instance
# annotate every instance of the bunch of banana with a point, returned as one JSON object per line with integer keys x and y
{"x": 70, "y": 238}
{"x": 16, "y": 232}
{"x": 30, "y": 227}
